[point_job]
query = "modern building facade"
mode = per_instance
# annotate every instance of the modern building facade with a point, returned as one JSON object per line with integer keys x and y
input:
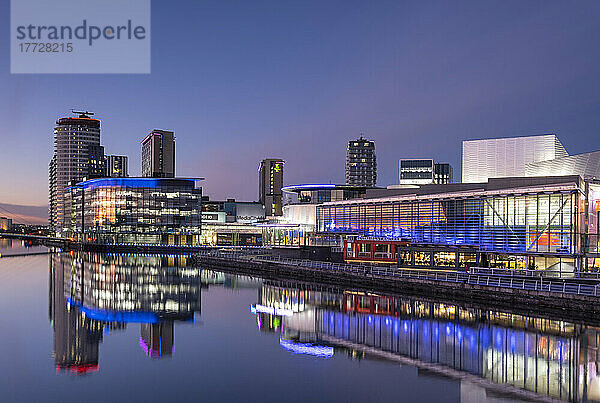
{"x": 158, "y": 154}
{"x": 361, "y": 163}
{"x": 117, "y": 166}
{"x": 320, "y": 193}
{"x": 233, "y": 211}
{"x": 507, "y": 157}
{"x": 544, "y": 223}
{"x": 270, "y": 183}
{"x": 442, "y": 173}
{"x": 423, "y": 172}
{"x": 74, "y": 138}
{"x": 96, "y": 162}
{"x": 5, "y": 224}
{"x": 134, "y": 210}
{"x": 585, "y": 165}
{"x": 297, "y": 225}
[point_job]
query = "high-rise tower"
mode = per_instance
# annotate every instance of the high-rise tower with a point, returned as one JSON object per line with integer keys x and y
{"x": 76, "y": 141}
{"x": 158, "y": 154}
{"x": 270, "y": 182}
{"x": 361, "y": 163}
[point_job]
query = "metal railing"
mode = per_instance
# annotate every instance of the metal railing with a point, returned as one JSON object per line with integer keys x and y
{"x": 488, "y": 279}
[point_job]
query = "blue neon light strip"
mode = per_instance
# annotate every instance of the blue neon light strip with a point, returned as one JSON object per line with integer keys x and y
{"x": 307, "y": 348}
{"x": 116, "y": 316}
{"x": 135, "y": 182}
{"x": 309, "y": 186}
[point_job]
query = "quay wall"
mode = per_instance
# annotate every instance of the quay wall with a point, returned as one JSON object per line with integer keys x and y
{"x": 568, "y": 306}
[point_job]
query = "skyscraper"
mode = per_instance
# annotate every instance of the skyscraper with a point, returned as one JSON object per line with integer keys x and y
{"x": 270, "y": 182}
{"x": 116, "y": 166}
{"x": 74, "y": 138}
{"x": 503, "y": 157}
{"x": 158, "y": 154}
{"x": 361, "y": 163}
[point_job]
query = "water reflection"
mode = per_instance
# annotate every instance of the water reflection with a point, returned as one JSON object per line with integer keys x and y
{"x": 505, "y": 352}
{"x": 92, "y": 295}
{"x": 10, "y": 247}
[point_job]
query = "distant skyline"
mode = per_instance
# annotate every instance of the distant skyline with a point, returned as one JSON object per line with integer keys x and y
{"x": 242, "y": 81}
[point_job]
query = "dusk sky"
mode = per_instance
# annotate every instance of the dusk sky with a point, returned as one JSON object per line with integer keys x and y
{"x": 242, "y": 81}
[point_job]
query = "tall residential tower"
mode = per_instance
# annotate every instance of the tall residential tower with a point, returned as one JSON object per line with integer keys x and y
{"x": 270, "y": 182}
{"x": 361, "y": 163}
{"x": 76, "y": 149}
{"x": 158, "y": 154}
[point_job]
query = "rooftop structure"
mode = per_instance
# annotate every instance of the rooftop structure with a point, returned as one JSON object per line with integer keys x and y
{"x": 506, "y": 157}
{"x": 319, "y": 193}
{"x": 423, "y": 172}
{"x": 586, "y": 165}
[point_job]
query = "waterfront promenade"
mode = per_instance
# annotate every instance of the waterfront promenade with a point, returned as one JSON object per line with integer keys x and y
{"x": 579, "y": 297}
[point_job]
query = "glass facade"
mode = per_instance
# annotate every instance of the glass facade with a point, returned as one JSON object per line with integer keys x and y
{"x": 537, "y": 222}
{"x": 134, "y": 210}
{"x": 529, "y": 223}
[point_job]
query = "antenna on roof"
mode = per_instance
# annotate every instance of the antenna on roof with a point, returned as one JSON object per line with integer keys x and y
{"x": 82, "y": 114}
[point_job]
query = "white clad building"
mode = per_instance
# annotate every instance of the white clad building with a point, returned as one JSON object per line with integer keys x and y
{"x": 497, "y": 158}
{"x": 586, "y": 165}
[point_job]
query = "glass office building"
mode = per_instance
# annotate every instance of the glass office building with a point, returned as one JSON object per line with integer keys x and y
{"x": 134, "y": 210}
{"x": 543, "y": 217}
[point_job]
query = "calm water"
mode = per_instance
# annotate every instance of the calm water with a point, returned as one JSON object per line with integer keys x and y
{"x": 98, "y": 328}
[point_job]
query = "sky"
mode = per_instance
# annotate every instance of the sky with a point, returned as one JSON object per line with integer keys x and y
{"x": 239, "y": 81}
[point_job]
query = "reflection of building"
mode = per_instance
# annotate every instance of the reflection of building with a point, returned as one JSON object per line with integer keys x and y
{"x": 116, "y": 166}
{"x": 361, "y": 163}
{"x": 157, "y": 339}
{"x": 158, "y": 154}
{"x": 500, "y": 351}
{"x": 74, "y": 137}
{"x": 504, "y": 157}
{"x": 134, "y": 210}
{"x": 270, "y": 182}
{"x": 76, "y": 338}
{"x": 92, "y": 292}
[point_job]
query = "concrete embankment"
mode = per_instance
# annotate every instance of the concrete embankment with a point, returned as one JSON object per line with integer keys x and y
{"x": 565, "y": 305}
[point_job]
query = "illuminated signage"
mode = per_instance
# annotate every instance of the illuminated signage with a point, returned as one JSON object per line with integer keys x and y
{"x": 270, "y": 310}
